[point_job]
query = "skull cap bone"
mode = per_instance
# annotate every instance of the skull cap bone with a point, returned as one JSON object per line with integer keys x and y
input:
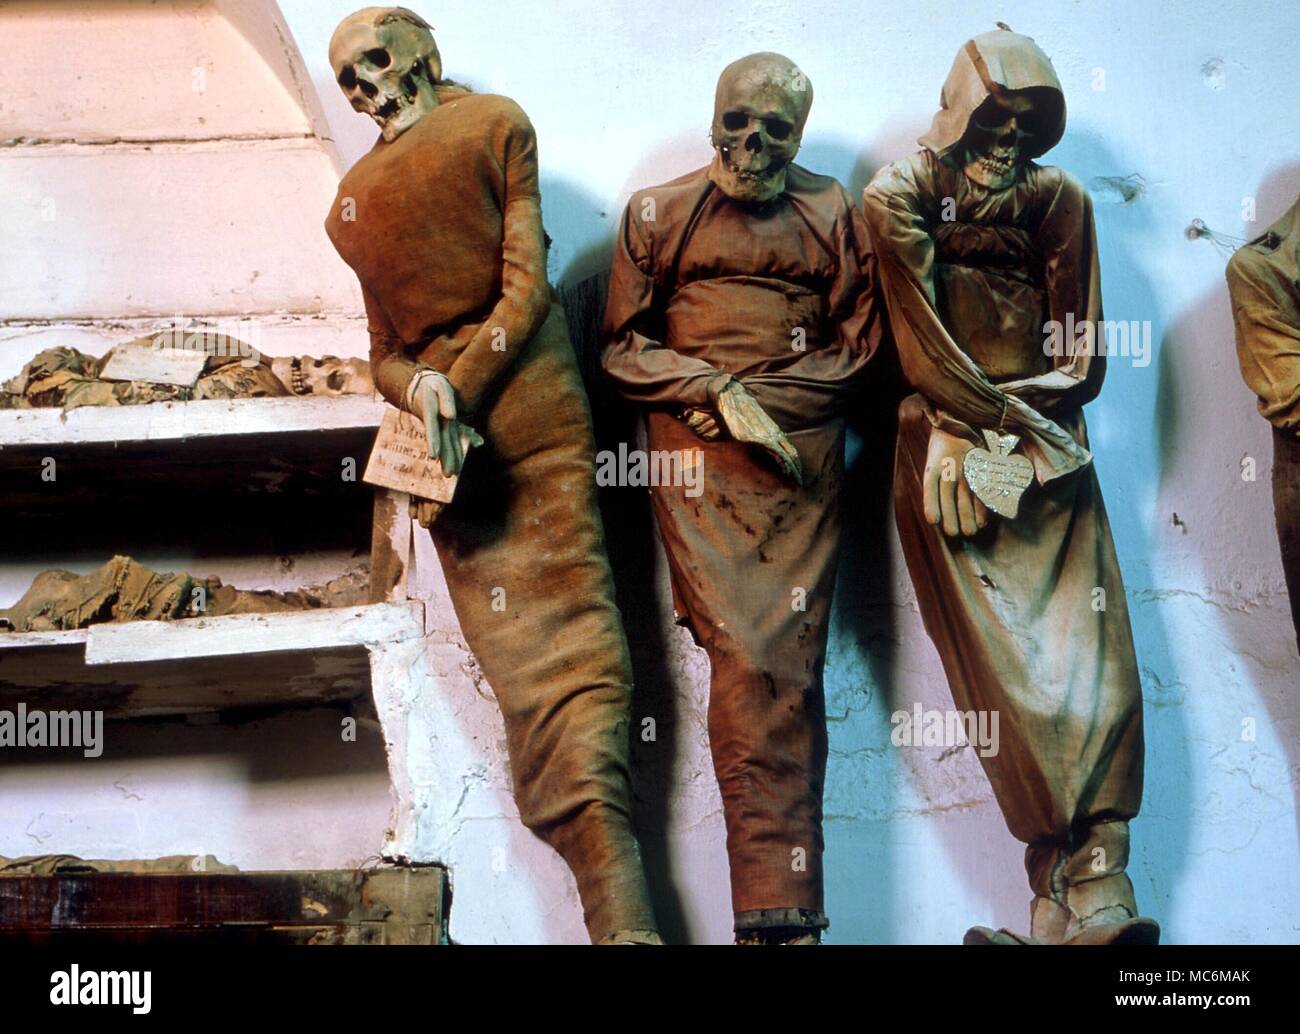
{"x": 774, "y": 97}
{"x": 992, "y": 63}
{"x": 404, "y": 80}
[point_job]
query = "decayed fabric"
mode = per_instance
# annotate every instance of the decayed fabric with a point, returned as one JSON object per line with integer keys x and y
{"x": 61, "y": 864}
{"x": 68, "y": 379}
{"x": 1029, "y": 616}
{"x": 1264, "y": 283}
{"x": 703, "y": 290}
{"x": 126, "y": 590}
{"x": 448, "y": 245}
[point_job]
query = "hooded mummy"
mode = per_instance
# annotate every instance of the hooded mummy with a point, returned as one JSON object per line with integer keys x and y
{"x": 982, "y": 253}
{"x": 991, "y": 65}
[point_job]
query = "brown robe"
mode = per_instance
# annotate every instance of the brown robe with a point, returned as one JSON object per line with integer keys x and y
{"x": 1264, "y": 283}
{"x": 704, "y": 289}
{"x": 971, "y": 276}
{"x": 448, "y": 245}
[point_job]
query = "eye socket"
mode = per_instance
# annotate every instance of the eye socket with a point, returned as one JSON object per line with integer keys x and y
{"x": 734, "y": 121}
{"x": 1032, "y": 123}
{"x": 993, "y": 115}
{"x": 348, "y": 78}
{"x": 779, "y": 129}
{"x": 378, "y": 57}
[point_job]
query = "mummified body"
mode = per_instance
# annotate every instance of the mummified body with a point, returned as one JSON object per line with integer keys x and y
{"x": 741, "y": 314}
{"x": 1264, "y": 282}
{"x": 447, "y": 242}
{"x": 980, "y": 250}
{"x": 65, "y": 378}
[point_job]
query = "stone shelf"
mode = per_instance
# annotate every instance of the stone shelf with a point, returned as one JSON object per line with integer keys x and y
{"x": 142, "y": 669}
{"x": 170, "y": 472}
{"x": 24, "y": 429}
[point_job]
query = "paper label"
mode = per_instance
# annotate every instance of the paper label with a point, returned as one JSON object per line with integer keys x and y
{"x": 998, "y": 478}
{"x": 180, "y": 366}
{"x": 400, "y": 459}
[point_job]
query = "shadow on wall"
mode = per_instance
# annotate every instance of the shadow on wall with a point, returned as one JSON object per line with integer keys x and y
{"x": 1126, "y": 226}
{"x": 632, "y": 543}
{"x": 860, "y": 617}
{"x": 288, "y": 777}
{"x": 861, "y": 685}
{"x": 1240, "y": 563}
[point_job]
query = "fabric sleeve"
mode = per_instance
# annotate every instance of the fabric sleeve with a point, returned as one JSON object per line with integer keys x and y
{"x": 1268, "y": 345}
{"x": 1067, "y": 241}
{"x": 390, "y": 368}
{"x": 813, "y": 388}
{"x": 525, "y": 298}
{"x": 963, "y": 399}
{"x": 634, "y": 357}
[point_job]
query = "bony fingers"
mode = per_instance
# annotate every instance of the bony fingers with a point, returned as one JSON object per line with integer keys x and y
{"x": 966, "y": 510}
{"x": 454, "y": 450}
{"x": 786, "y": 456}
{"x": 433, "y": 432}
{"x": 795, "y": 464}
{"x": 948, "y": 504}
{"x": 428, "y": 511}
{"x": 930, "y": 496}
{"x": 705, "y": 426}
{"x": 446, "y": 396}
{"x": 445, "y": 456}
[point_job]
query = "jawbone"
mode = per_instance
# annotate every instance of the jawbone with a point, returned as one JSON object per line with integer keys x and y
{"x": 752, "y": 186}
{"x": 398, "y": 114}
{"x": 997, "y": 172}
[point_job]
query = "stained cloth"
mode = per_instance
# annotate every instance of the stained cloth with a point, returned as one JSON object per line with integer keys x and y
{"x": 1264, "y": 284}
{"x": 780, "y": 297}
{"x": 1029, "y": 617}
{"x": 443, "y": 229}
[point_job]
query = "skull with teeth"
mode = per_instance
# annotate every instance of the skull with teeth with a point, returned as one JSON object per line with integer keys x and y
{"x": 760, "y": 108}
{"x": 1001, "y": 137}
{"x": 327, "y": 375}
{"x": 386, "y": 63}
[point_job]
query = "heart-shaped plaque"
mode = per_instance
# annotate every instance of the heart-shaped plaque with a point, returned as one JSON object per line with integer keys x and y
{"x": 997, "y": 478}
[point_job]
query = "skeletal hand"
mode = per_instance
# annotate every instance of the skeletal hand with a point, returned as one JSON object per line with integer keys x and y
{"x": 432, "y": 398}
{"x": 425, "y": 510}
{"x": 703, "y": 422}
{"x": 948, "y": 500}
{"x": 747, "y": 422}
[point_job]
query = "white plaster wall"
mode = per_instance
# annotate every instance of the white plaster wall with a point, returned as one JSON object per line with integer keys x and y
{"x": 1202, "y": 102}
{"x": 159, "y": 160}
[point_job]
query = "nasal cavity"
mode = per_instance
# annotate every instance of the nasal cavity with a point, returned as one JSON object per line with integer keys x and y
{"x": 753, "y": 143}
{"x": 368, "y": 88}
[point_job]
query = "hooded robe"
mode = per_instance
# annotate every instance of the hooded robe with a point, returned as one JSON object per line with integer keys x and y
{"x": 1264, "y": 283}
{"x": 780, "y": 296}
{"x": 1029, "y": 616}
{"x": 445, "y": 236}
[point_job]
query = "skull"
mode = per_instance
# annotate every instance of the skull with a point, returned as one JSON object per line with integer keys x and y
{"x": 759, "y": 111}
{"x": 327, "y": 375}
{"x": 386, "y": 63}
{"x": 1000, "y": 133}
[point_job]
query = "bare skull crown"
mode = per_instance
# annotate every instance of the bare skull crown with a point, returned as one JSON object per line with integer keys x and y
{"x": 387, "y": 64}
{"x": 760, "y": 108}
